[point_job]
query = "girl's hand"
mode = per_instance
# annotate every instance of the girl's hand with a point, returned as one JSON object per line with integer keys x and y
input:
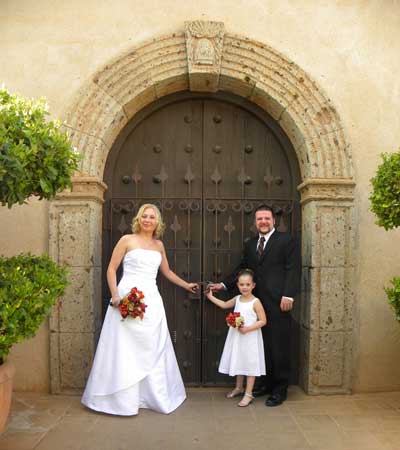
{"x": 209, "y": 294}
{"x": 192, "y": 287}
{"x": 243, "y": 330}
{"x": 115, "y": 301}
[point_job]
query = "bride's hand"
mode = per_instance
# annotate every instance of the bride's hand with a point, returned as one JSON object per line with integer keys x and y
{"x": 192, "y": 287}
{"x": 115, "y": 301}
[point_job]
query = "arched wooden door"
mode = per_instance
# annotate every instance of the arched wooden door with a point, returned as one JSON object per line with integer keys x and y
{"x": 207, "y": 162}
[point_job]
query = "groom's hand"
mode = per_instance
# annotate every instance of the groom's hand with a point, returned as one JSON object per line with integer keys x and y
{"x": 286, "y": 304}
{"x": 214, "y": 287}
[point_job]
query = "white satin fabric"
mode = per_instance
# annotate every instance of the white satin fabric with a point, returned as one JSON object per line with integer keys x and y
{"x": 135, "y": 364}
{"x": 243, "y": 354}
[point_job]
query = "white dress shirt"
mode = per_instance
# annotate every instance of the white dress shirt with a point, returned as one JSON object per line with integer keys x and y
{"x": 266, "y": 237}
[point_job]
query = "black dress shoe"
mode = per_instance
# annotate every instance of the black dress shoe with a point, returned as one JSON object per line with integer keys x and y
{"x": 275, "y": 400}
{"x": 260, "y": 391}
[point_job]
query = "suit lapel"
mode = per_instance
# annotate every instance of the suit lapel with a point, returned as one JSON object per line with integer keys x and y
{"x": 271, "y": 242}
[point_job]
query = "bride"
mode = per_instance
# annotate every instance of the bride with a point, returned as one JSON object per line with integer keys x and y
{"x": 135, "y": 364}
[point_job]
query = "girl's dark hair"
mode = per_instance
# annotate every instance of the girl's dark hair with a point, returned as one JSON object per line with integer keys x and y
{"x": 248, "y": 272}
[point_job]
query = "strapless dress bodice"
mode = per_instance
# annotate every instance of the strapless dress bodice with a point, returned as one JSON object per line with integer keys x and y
{"x": 141, "y": 264}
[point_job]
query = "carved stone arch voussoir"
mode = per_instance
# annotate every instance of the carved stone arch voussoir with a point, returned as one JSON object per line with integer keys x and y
{"x": 227, "y": 62}
{"x": 204, "y": 57}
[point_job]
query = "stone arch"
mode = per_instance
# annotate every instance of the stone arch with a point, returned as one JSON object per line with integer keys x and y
{"x": 161, "y": 66}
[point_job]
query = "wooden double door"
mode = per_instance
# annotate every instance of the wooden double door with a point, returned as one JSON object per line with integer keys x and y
{"x": 207, "y": 162}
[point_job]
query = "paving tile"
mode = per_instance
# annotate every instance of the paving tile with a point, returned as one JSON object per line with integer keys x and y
{"x": 229, "y": 408}
{"x": 393, "y": 403}
{"x": 265, "y": 411}
{"x": 222, "y": 441}
{"x": 306, "y": 407}
{"x": 198, "y": 440}
{"x": 69, "y": 434}
{"x": 54, "y": 404}
{"x": 36, "y": 413}
{"x": 390, "y": 440}
{"x": 137, "y": 440}
{"x": 377, "y": 404}
{"x": 352, "y": 440}
{"x": 207, "y": 420}
{"x": 278, "y": 424}
{"x": 388, "y": 423}
{"x": 32, "y": 420}
{"x": 355, "y": 422}
{"x": 24, "y": 440}
{"x": 319, "y": 422}
{"x": 202, "y": 395}
{"x": 336, "y": 405}
{"x": 195, "y": 409}
{"x": 116, "y": 424}
{"x": 76, "y": 408}
{"x": 293, "y": 440}
{"x": 379, "y": 422}
{"x": 186, "y": 424}
{"x": 232, "y": 425}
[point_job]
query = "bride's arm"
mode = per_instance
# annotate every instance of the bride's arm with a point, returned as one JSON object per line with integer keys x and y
{"x": 172, "y": 276}
{"x": 116, "y": 258}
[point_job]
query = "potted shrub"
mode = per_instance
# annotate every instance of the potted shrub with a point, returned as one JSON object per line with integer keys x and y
{"x": 29, "y": 287}
{"x": 36, "y": 158}
{"x": 393, "y": 294}
{"x": 385, "y": 204}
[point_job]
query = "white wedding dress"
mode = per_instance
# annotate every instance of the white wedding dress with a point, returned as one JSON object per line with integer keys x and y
{"x": 135, "y": 364}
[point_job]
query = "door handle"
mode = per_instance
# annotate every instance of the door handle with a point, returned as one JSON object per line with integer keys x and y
{"x": 202, "y": 287}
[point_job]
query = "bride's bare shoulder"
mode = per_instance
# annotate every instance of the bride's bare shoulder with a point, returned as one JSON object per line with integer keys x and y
{"x": 159, "y": 244}
{"x": 128, "y": 240}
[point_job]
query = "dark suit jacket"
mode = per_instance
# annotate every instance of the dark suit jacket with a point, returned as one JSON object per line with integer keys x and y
{"x": 276, "y": 272}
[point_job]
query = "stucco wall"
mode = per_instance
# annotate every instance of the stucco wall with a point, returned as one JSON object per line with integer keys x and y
{"x": 350, "y": 48}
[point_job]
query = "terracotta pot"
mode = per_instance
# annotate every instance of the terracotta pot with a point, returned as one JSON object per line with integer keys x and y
{"x": 7, "y": 371}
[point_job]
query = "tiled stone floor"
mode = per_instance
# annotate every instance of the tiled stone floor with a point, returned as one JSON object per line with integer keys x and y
{"x": 209, "y": 421}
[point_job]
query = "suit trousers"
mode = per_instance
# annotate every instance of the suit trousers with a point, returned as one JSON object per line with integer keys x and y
{"x": 276, "y": 337}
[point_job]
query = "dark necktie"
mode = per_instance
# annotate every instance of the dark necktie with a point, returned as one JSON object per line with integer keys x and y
{"x": 260, "y": 247}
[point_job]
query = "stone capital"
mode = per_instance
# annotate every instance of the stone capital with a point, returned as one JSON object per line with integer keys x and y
{"x": 340, "y": 189}
{"x": 84, "y": 188}
{"x": 204, "y": 43}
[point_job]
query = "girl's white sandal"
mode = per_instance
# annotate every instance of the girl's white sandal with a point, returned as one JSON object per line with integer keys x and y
{"x": 234, "y": 393}
{"x": 246, "y": 400}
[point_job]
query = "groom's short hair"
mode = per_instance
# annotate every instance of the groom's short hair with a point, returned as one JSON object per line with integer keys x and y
{"x": 265, "y": 208}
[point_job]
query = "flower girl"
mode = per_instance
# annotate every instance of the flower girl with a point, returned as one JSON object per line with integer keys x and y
{"x": 243, "y": 353}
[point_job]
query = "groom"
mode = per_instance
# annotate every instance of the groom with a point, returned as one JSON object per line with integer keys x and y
{"x": 273, "y": 257}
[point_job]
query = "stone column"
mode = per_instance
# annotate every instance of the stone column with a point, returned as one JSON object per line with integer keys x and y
{"x": 75, "y": 240}
{"x": 327, "y": 285}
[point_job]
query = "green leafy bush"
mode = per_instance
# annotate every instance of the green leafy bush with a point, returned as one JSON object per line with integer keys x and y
{"x": 385, "y": 197}
{"x": 36, "y": 156}
{"x": 29, "y": 287}
{"x": 393, "y": 295}
{"x": 385, "y": 204}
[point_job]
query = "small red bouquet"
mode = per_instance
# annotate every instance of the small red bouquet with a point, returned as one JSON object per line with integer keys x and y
{"x": 132, "y": 304}
{"x": 234, "y": 320}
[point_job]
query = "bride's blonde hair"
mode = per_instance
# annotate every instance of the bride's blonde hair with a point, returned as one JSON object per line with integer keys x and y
{"x": 160, "y": 224}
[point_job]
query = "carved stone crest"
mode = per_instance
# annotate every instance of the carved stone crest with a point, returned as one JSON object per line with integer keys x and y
{"x": 204, "y": 42}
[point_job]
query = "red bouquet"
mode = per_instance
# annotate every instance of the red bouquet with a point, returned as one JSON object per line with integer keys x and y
{"x": 234, "y": 320}
{"x": 132, "y": 304}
